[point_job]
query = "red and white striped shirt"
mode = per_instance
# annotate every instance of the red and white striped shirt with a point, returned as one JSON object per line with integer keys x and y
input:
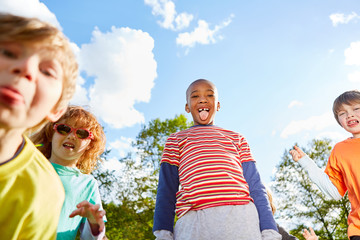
{"x": 210, "y": 160}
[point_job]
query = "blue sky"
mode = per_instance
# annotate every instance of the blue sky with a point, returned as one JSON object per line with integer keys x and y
{"x": 278, "y": 64}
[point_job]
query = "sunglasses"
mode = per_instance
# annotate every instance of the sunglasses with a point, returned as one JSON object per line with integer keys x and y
{"x": 80, "y": 133}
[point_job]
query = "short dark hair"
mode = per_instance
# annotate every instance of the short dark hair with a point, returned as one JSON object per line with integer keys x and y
{"x": 196, "y": 81}
{"x": 348, "y": 98}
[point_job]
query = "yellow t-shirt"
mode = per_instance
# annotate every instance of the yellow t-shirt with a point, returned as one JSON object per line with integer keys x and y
{"x": 343, "y": 169}
{"x": 31, "y": 196}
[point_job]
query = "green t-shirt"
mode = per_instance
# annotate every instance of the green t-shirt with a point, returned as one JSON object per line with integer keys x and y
{"x": 78, "y": 187}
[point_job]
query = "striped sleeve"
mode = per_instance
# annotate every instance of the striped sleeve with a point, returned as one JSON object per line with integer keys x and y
{"x": 244, "y": 150}
{"x": 171, "y": 151}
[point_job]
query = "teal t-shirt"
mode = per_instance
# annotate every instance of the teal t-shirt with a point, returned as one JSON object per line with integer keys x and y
{"x": 78, "y": 187}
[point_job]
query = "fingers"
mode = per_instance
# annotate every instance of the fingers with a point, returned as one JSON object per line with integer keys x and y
{"x": 85, "y": 209}
{"x": 77, "y": 212}
{"x": 101, "y": 221}
{"x": 306, "y": 233}
{"x": 295, "y": 155}
{"x": 309, "y": 235}
{"x": 312, "y": 231}
{"x": 84, "y": 204}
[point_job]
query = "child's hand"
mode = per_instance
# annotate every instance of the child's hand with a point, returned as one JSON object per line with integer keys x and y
{"x": 93, "y": 214}
{"x": 296, "y": 153}
{"x": 310, "y": 235}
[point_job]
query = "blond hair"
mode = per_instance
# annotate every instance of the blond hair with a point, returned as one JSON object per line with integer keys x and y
{"x": 34, "y": 32}
{"x": 77, "y": 117}
{"x": 271, "y": 201}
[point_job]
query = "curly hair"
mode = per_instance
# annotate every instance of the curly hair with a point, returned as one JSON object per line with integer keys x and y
{"x": 79, "y": 117}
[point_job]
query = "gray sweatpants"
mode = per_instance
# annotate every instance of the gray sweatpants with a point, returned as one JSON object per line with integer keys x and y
{"x": 229, "y": 222}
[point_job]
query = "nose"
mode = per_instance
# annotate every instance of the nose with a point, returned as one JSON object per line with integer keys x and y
{"x": 71, "y": 135}
{"x": 350, "y": 114}
{"x": 202, "y": 99}
{"x": 26, "y": 67}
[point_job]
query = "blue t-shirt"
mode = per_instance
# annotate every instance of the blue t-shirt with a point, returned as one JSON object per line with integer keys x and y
{"x": 78, "y": 187}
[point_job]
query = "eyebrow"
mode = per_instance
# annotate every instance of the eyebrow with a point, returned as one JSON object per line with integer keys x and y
{"x": 206, "y": 90}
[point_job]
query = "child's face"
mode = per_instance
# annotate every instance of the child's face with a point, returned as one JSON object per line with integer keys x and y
{"x": 30, "y": 85}
{"x": 202, "y": 102}
{"x": 349, "y": 117}
{"x": 67, "y": 148}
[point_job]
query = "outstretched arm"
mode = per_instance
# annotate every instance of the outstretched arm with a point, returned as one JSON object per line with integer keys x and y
{"x": 93, "y": 214}
{"x": 317, "y": 176}
{"x": 310, "y": 235}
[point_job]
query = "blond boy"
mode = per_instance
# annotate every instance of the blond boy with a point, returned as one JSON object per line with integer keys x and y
{"x": 38, "y": 73}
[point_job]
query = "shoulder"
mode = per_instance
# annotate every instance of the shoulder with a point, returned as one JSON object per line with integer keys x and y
{"x": 347, "y": 145}
{"x": 229, "y": 132}
{"x": 89, "y": 178}
{"x": 37, "y": 161}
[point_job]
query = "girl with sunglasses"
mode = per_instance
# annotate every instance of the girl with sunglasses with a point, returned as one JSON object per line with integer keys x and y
{"x": 73, "y": 145}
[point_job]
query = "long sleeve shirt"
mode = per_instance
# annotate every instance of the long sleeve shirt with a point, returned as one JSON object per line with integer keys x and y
{"x": 207, "y": 166}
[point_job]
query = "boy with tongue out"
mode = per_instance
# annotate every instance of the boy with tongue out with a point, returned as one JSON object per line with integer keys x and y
{"x": 342, "y": 173}
{"x": 208, "y": 177}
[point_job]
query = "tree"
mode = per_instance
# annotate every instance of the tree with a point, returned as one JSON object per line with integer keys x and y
{"x": 151, "y": 139}
{"x": 131, "y": 215}
{"x": 303, "y": 202}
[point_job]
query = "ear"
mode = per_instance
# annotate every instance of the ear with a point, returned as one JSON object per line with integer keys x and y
{"x": 187, "y": 109}
{"x": 54, "y": 115}
{"x": 218, "y": 106}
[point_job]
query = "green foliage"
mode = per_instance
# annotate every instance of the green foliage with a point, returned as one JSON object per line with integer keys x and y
{"x": 302, "y": 200}
{"x": 130, "y": 214}
{"x": 151, "y": 139}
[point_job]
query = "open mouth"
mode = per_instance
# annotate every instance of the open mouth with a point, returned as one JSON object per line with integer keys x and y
{"x": 352, "y": 122}
{"x": 69, "y": 145}
{"x": 204, "y": 113}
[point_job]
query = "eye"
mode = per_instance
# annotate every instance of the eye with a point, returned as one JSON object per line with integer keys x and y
{"x": 48, "y": 69}
{"x": 211, "y": 95}
{"x": 47, "y": 72}
{"x": 194, "y": 96}
{"x": 8, "y": 53}
{"x": 341, "y": 114}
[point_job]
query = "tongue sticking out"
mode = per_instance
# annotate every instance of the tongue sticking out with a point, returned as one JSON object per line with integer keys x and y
{"x": 204, "y": 115}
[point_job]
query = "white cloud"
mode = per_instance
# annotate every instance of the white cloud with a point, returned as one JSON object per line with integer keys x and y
{"x": 340, "y": 18}
{"x": 29, "y": 8}
{"x": 354, "y": 77}
{"x": 202, "y": 34}
{"x": 335, "y": 136}
{"x": 124, "y": 68}
{"x": 295, "y": 103}
{"x": 352, "y": 54}
{"x": 80, "y": 97}
{"x": 313, "y": 123}
{"x": 113, "y": 164}
{"x": 172, "y": 20}
{"x": 122, "y": 146}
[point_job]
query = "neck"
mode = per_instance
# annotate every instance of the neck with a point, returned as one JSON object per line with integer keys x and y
{"x": 10, "y": 141}
{"x": 63, "y": 162}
